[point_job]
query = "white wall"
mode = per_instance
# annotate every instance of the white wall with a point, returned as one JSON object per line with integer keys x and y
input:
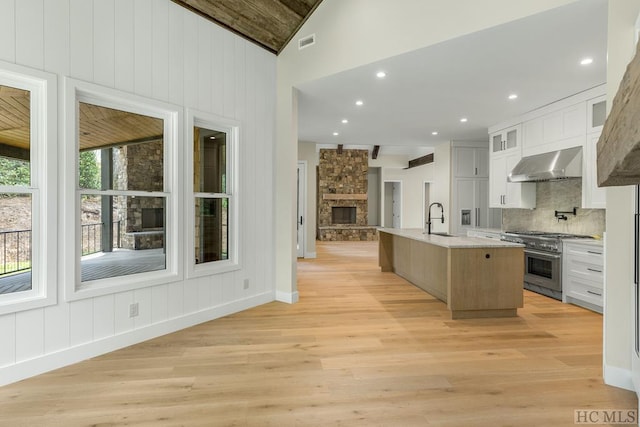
{"x": 412, "y": 192}
{"x": 351, "y": 33}
{"x": 618, "y": 309}
{"x": 158, "y": 50}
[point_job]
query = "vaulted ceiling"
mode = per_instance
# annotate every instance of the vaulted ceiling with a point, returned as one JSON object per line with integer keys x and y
{"x": 269, "y": 23}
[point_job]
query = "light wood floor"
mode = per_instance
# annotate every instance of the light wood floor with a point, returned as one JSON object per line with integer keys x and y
{"x": 361, "y": 348}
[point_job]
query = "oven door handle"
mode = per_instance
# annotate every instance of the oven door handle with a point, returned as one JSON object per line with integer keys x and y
{"x": 543, "y": 254}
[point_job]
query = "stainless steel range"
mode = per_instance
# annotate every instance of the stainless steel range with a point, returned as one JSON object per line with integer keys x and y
{"x": 542, "y": 259}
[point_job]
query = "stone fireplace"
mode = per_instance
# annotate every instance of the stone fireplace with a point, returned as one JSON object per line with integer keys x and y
{"x": 142, "y": 218}
{"x": 343, "y": 215}
{"x": 342, "y": 195}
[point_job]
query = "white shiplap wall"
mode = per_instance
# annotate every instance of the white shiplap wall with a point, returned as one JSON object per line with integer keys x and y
{"x": 158, "y": 50}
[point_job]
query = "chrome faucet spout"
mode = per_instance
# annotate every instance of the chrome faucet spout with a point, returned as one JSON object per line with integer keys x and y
{"x": 429, "y": 222}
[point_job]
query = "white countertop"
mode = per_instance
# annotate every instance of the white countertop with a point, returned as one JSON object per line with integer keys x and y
{"x": 487, "y": 230}
{"x": 449, "y": 241}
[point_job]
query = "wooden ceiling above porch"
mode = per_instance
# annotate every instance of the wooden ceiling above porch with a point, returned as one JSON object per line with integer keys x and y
{"x": 268, "y": 23}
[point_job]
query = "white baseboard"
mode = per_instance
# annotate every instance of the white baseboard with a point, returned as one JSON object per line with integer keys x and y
{"x": 288, "y": 297}
{"x": 48, "y": 362}
{"x": 617, "y": 377}
{"x": 310, "y": 255}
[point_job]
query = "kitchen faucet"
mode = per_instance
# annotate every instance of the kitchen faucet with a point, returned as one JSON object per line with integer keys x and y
{"x": 429, "y": 215}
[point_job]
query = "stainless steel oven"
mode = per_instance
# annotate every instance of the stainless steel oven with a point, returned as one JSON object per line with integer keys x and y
{"x": 543, "y": 269}
{"x": 542, "y": 259}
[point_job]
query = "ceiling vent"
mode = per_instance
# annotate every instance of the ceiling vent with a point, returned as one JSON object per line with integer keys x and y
{"x": 306, "y": 41}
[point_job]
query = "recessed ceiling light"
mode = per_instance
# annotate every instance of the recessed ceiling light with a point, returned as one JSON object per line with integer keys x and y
{"x": 463, "y": 120}
{"x": 359, "y": 102}
{"x": 434, "y": 133}
{"x": 381, "y": 74}
{"x": 345, "y": 121}
{"x": 586, "y": 61}
{"x": 336, "y": 134}
{"x": 513, "y": 96}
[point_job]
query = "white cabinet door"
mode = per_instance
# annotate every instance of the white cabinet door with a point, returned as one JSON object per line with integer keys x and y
{"x": 593, "y": 197}
{"x": 504, "y": 194}
{"x": 506, "y": 139}
{"x": 557, "y": 130}
{"x": 470, "y": 162}
{"x": 482, "y": 203}
{"x": 497, "y": 181}
{"x": 482, "y": 162}
{"x": 596, "y": 113}
{"x": 464, "y": 162}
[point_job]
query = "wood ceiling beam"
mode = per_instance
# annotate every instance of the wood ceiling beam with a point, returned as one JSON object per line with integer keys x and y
{"x": 270, "y": 24}
{"x": 618, "y": 149}
{"x": 421, "y": 161}
{"x": 374, "y": 153}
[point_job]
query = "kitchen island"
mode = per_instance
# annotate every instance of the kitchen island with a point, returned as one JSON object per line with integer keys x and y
{"x": 476, "y": 277}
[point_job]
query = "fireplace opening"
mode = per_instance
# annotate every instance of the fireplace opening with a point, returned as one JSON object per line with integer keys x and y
{"x": 152, "y": 218}
{"x": 343, "y": 215}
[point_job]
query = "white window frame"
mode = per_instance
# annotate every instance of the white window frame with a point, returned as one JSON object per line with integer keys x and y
{"x": 79, "y": 91}
{"x": 232, "y": 129}
{"x": 43, "y": 165}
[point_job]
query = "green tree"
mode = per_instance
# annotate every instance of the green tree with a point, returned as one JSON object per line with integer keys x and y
{"x": 14, "y": 172}
{"x": 89, "y": 170}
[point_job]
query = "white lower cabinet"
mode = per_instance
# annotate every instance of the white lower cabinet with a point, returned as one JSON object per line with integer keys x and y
{"x": 583, "y": 275}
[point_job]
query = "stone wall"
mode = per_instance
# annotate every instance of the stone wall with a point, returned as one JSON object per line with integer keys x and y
{"x": 139, "y": 167}
{"x": 342, "y": 181}
{"x": 551, "y": 196}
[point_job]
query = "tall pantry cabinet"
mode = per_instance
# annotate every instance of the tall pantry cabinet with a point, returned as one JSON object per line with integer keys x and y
{"x": 470, "y": 185}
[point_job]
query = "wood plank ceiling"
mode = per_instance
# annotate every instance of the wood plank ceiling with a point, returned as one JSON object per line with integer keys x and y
{"x": 268, "y": 23}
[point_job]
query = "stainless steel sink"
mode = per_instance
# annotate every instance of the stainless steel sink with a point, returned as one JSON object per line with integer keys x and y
{"x": 443, "y": 234}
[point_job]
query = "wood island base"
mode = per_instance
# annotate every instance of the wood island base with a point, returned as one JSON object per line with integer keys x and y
{"x": 477, "y": 278}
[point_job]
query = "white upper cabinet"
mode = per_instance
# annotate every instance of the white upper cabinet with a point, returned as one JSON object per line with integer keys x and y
{"x": 471, "y": 162}
{"x": 556, "y": 130}
{"x": 596, "y": 113}
{"x": 593, "y": 197}
{"x": 506, "y": 139}
{"x": 505, "y": 194}
{"x": 575, "y": 121}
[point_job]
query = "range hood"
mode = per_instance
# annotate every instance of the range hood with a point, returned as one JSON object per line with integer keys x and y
{"x": 548, "y": 166}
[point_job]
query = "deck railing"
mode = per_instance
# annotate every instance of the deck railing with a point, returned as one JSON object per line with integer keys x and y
{"x": 92, "y": 237}
{"x": 15, "y": 245}
{"x": 15, "y": 251}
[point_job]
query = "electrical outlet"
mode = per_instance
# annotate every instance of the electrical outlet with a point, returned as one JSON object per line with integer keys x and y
{"x": 133, "y": 309}
{"x": 246, "y": 283}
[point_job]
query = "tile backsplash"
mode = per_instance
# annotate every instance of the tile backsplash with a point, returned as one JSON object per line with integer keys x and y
{"x": 554, "y": 196}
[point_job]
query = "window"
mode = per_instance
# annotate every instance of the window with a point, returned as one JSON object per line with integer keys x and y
{"x": 123, "y": 174}
{"x": 27, "y": 188}
{"x": 214, "y": 206}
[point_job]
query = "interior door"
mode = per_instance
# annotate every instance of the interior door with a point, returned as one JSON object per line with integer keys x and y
{"x": 300, "y": 210}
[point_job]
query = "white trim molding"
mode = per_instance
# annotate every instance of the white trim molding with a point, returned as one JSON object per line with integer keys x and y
{"x": 287, "y": 297}
{"x": 617, "y": 377}
{"x": 39, "y": 365}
